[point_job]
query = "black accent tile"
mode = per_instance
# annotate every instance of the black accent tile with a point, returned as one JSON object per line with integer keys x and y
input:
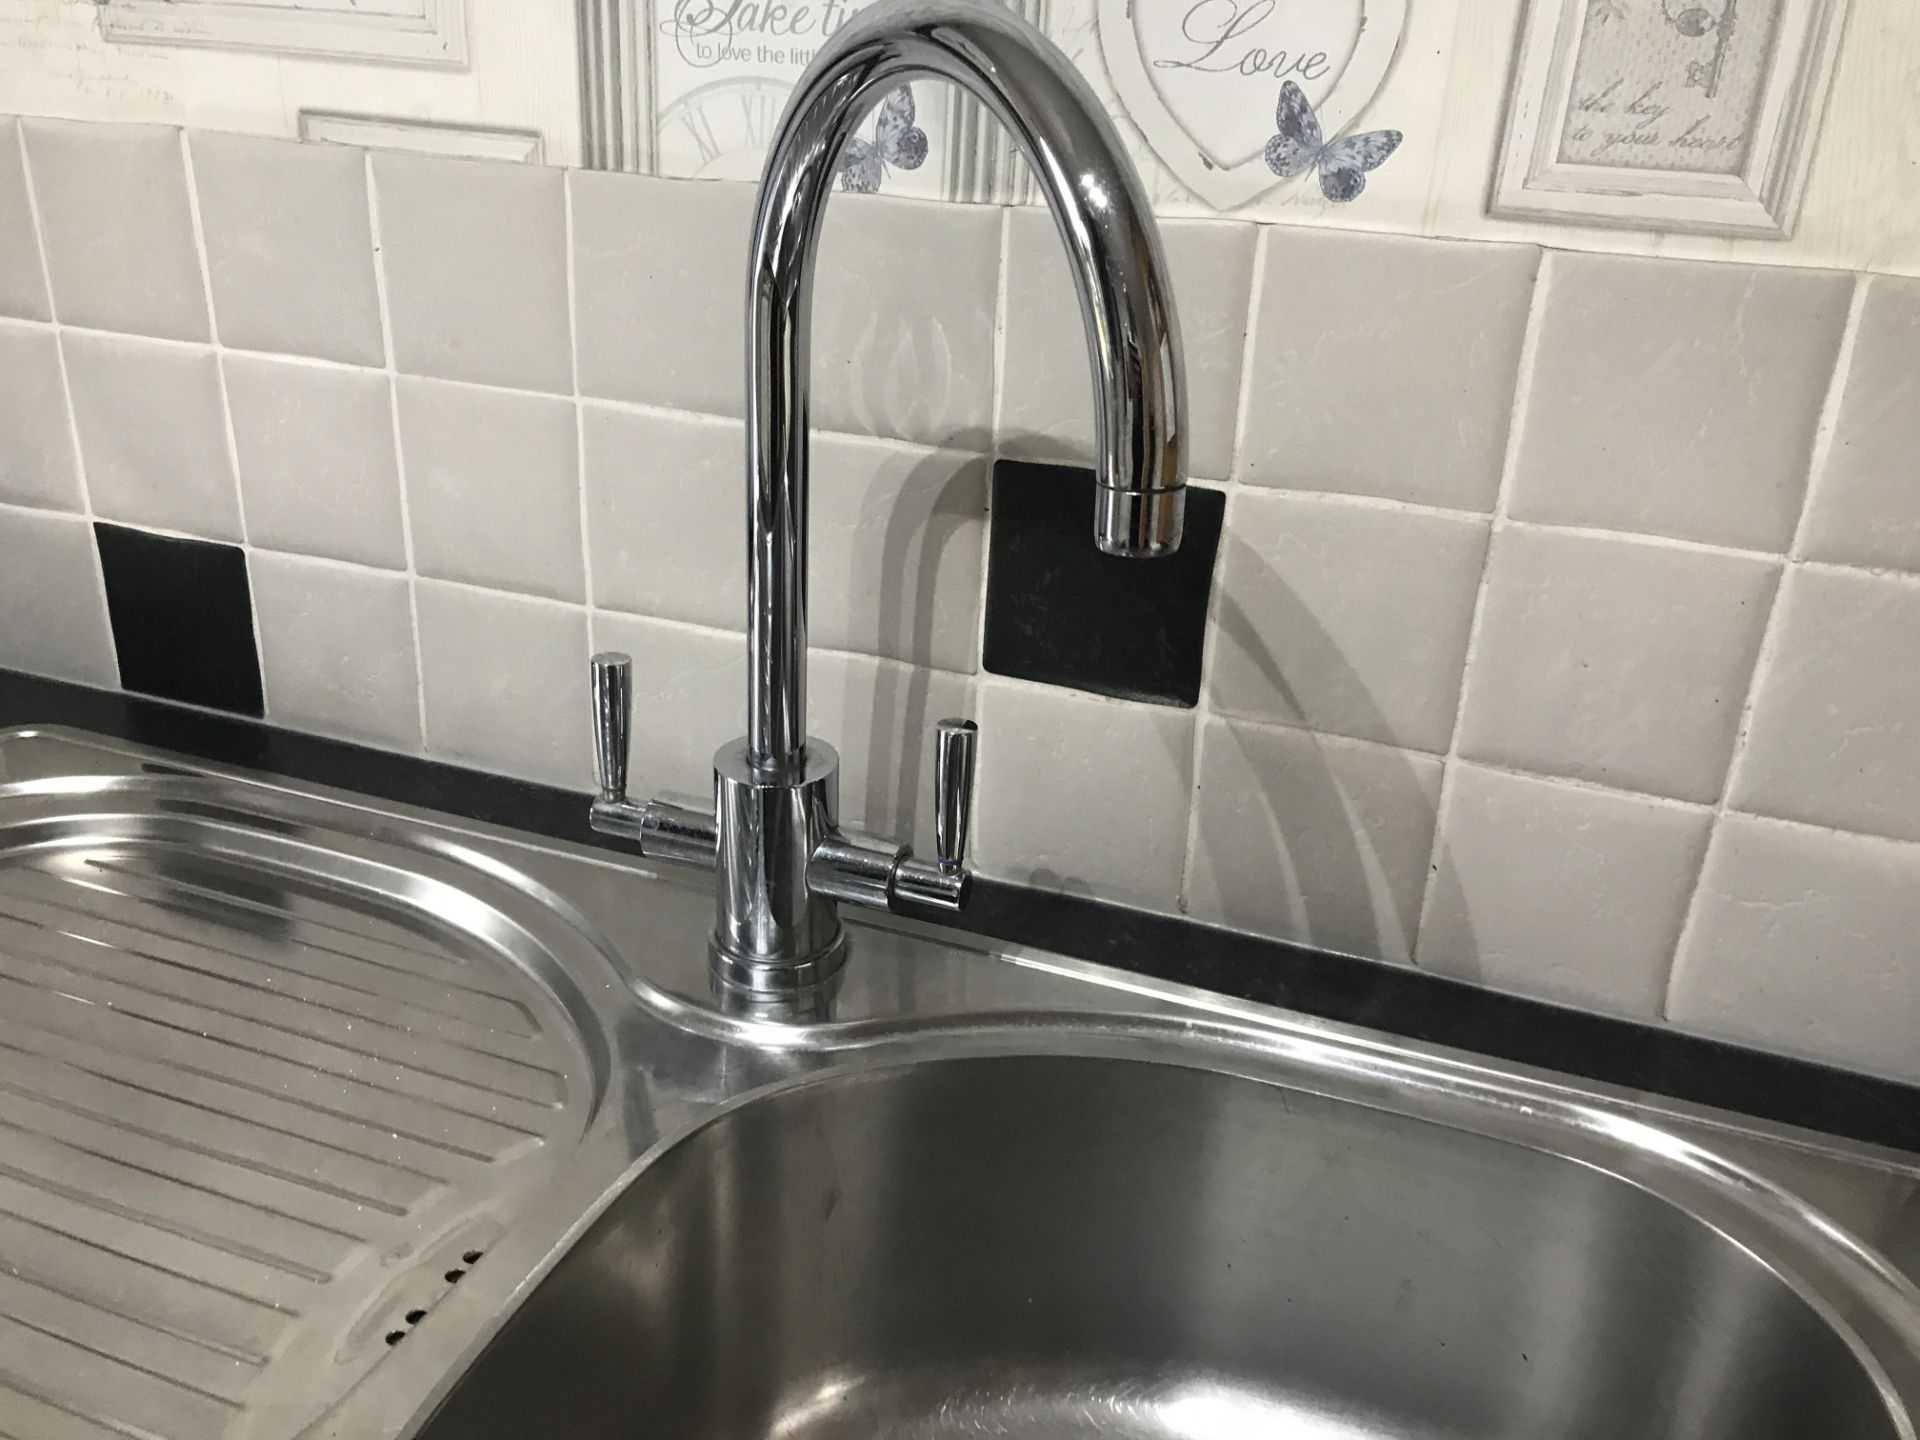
{"x": 1061, "y": 612}
{"x": 182, "y": 616}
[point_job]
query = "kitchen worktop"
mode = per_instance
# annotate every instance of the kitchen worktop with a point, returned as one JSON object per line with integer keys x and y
{"x": 1392, "y": 998}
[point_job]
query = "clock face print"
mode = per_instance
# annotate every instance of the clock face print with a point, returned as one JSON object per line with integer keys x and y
{"x": 720, "y": 130}
{"x": 720, "y": 74}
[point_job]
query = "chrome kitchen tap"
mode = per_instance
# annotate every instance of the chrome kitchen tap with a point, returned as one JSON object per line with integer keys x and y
{"x": 773, "y": 837}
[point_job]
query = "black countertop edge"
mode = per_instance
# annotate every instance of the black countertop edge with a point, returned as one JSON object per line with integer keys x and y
{"x": 1393, "y": 998}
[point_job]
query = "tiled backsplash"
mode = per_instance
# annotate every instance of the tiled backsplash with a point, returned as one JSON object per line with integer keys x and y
{"x": 1564, "y": 635}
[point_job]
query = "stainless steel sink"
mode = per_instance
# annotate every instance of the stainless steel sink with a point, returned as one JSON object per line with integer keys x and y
{"x": 981, "y": 1192}
{"x": 267, "y": 1087}
{"x": 1035, "y": 1246}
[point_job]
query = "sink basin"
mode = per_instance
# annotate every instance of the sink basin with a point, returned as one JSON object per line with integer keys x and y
{"x": 1063, "y": 1246}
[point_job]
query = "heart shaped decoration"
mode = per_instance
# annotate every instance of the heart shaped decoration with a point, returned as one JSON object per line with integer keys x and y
{"x": 1201, "y": 77}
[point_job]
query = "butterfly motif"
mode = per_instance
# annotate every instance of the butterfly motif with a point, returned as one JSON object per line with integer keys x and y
{"x": 897, "y": 141}
{"x": 1343, "y": 163}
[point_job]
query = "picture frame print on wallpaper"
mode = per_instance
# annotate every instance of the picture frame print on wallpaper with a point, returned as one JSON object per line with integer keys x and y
{"x": 1201, "y": 79}
{"x": 1697, "y": 116}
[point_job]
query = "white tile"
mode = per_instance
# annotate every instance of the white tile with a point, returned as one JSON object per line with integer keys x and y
{"x": 1351, "y": 619}
{"x": 36, "y": 437}
{"x": 53, "y": 613}
{"x": 1082, "y": 794}
{"x": 336, "y": 649}
{"x": 1678, "y": 398}
{"x": 880, "y": 716}
{"x": 904, "y": 298}
{"x": 660, "y": 285}
{"x": 1385, "y": 365}
{"x": 1835, "y": 733}
{"x": 1616, "y": 661}
{"x": 23, "y": 285}
{"x": 1310, "y": 838}
{"x": 475, "y": 256}
{"x": 493, "y": 487}
{"x": 1803, "y": 942}
{"x": 689, "y": 699}
{"x": 1046, "y": 409}
{"x": 896, "y": 535}
{"x": 289, "y": 250}
{"x": 118, "y": 231}
{"x": 1561, "y": 891}
{"x": 505, "y": 683}
{"x": 666, "y": 515}
{"x": 1865, "y": 507}
{"x": 153, "y": 434}
{"x": 317, "y": 470}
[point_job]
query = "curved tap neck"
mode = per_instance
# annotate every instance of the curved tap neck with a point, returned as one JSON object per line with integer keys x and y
{"x": 1105, "y": 224}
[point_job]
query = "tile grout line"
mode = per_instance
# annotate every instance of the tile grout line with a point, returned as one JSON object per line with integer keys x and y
{"x": 1885, "y": 574}
{"x": 1385, "y": 503}
{"x": 399, "y": 461}
{"x": 1831, "y": 832}
{"x": 1269, "y": 726}
{"x": 572, "y": 607}
{"x": 1203, "y": 707}
{"x": 1638, "y": 537}
{"x": 1216, "y": 589}
{"x": 587, "y": 600}
{"x": 1496, "y": 522}
{"x": 1000, "y": 303}
{"x": 172, "y": 532}
{"x": 1577, "y": 783}
{"x": 1260, "y": 490}
{"x": 579, "y": 419}
{"x": 226, "y": 408}
{"x": 654, "y": 409}
{"x": 1243, "y": 401}
{"x": 66, "y": 387}
{"x": 1259, "y": 494}
{"x": 1818, "y": 456}
{"x": 977, "y": 682}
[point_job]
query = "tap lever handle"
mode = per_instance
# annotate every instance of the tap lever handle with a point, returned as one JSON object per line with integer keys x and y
{"x": 612, "y": 721}
{"x": 955, "y": 744}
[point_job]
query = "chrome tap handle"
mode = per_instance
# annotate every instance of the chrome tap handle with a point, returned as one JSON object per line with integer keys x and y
{"x": 955, "y": 744}
{"x": 612, "y": 721}
{"x": 886, "y": 874}
{"x": 663, "y": 829}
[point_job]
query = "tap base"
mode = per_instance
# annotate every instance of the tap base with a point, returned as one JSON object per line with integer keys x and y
{"x": 742, "y": 977}
{"x": 785, "y": 867}
{"x": 773, "y": 933}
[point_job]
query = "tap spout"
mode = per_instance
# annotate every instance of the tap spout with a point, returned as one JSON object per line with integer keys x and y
{"x": 1114, "y": 249}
